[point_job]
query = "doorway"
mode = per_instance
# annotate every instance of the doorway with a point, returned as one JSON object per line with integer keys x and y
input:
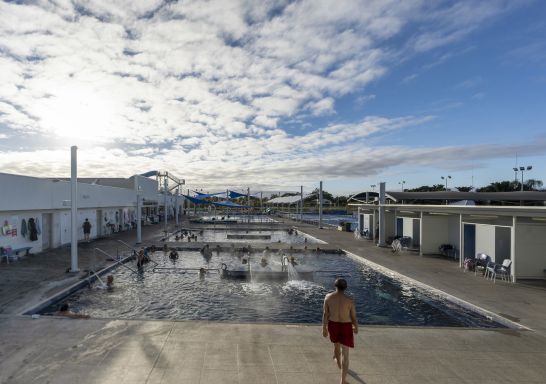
{"x": 469, "y": 239}
{"x": 47, "y": 232}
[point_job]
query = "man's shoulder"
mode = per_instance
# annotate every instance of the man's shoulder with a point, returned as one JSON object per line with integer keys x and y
{"x": 329, "y": 295}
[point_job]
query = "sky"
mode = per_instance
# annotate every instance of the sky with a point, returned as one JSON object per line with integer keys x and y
{"x": 272, "y": 95}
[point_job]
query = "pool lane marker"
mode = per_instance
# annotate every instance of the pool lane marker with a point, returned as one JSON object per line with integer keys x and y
{"x": 441, "y": 294}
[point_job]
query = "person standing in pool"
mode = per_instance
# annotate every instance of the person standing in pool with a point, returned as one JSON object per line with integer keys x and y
{"x": 339, "y": 321}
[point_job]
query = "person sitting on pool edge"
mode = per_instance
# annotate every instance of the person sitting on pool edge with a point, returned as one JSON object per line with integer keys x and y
{"x": 339, "y": 321}
{"x": 65, "y": 311}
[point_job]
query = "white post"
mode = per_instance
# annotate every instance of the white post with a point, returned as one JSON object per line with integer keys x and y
{"x": 176, "y": 208}
{"x": 74, "y": 208}
{"x": 138, "y": 210}
{"x": 248, "y": 202}
{"x": 320, "y": 206}
{"x": 513, "y": 249}
{"x": 381, "y": 215}
{"x": 165, "y": 184}
{"x": 261, "y": 203}
{"x": 420, "y": 233}
{"x": 461, "y": 240}
{"x": 301, "y": 203}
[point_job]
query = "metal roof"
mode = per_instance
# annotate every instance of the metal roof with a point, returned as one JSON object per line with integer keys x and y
{"x": 476, "y": 196}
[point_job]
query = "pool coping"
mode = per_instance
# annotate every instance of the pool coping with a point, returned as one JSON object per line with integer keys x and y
{"x": 512, "y": 325}
{"x": 72, "y": 288}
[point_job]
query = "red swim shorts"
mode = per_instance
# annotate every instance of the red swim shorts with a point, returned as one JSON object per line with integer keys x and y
{"x": 341, "y": 333}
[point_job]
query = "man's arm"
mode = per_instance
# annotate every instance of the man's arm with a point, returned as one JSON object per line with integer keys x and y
{"x": 353, "y": 317}
{"x": 325, "y": 316}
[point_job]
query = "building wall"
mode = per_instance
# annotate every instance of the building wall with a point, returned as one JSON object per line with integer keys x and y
{"x": 530, "y": 251}
{"x": 407, "y": 228}
{"x": 31, "y": 193}
{"x": 435, "y": 233}
{"x": 16, "y": 239}
{"x": 485, "y": 239}
{"x": 454, "y": 231}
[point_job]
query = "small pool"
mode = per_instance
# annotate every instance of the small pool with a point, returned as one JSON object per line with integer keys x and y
{"x": 245, "y": 236}
{"x": 183, "y": 295}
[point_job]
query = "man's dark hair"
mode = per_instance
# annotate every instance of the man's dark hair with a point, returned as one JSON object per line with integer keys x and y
{"x": 64, "y": 307}
{"x": 341, "y": 284}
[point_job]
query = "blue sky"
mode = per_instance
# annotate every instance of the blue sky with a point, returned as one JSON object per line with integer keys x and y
{"x": 275, "y": 94}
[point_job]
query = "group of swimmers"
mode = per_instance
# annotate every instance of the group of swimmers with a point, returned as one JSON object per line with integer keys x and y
{"x": 188, "y": 234}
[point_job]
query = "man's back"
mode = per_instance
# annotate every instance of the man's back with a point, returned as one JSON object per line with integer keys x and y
{"x": 339, "y": 307}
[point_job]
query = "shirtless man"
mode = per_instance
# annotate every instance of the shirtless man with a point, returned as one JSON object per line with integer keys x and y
{"x": 339, "y": 321}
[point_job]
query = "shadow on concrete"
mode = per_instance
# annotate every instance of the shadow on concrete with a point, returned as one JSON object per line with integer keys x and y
{"x": 355, "y": 376}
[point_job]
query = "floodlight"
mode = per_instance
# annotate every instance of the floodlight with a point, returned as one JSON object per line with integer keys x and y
{"x": 529, "y": 167}
{"x": 522, "y": 168}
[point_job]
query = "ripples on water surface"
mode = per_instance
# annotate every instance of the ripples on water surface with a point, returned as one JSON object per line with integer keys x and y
{"x": 379, "y": 299}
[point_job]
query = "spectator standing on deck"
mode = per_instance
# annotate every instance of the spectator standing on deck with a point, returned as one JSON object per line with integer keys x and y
{"x": 86, "y": 229}
{"x": 339, "y": 321}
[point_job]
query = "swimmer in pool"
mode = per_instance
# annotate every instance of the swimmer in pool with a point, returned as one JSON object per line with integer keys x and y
{"x": 110, "y": 282}
{"x": 173, "y": 255}
{"x": 202, "y": 273}
{"x": 65, "y": 311}
{"x": 263, "y": 262}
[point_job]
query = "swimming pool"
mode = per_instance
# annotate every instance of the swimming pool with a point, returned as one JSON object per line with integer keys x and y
{"x": 250, "y": 235}
{"x": 183, "y": 295}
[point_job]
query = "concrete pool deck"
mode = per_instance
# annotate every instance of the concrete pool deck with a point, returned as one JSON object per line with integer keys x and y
{"x": 59, "y": 350}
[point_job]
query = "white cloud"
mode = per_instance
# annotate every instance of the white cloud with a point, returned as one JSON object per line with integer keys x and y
{"x": 145, "y": 84}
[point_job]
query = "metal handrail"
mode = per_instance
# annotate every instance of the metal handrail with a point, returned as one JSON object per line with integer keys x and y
{"x": 116, "y": 260}
{"x": 134, "y": 250}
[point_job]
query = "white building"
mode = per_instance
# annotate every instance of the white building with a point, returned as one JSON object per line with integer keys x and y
{"x": 512, "y": 232}
{"x": 108, "y": 204}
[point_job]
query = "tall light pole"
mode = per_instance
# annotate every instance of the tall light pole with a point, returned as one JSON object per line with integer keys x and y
{"x": 402, "y": 182}
{"x": 522, "y": 169}
{"x": 446, "y": 179}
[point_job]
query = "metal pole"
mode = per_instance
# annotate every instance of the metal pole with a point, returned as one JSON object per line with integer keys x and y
{"x": 74, "y": 208}
{"x": 301, "y": 202}
{"x": 261, "y": 203}
{"x": 248, "y": 201}
{"x": 381, "y": 214}
{"x": 320, "y": 206}
{"x": 165, "y": 183}
{"x": 138, "y": 211}
{"x": 176, "y": 208}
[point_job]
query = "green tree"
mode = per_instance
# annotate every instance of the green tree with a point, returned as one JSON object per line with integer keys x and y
{"x": 500, "y": 186}
{"x": 533, "y": 185}
{"x": 464, "y": 189}
{"x": 427, "y": 188}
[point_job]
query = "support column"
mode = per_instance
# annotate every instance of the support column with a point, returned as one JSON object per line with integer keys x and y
{"x": 513, "y": 249}
{"x": 320, "y": 206}
{"x": 165, "y": 184}
{"x": 74, "y": 208}
{"x": 138, "y": 189}
{"x": 176, "y": 208}
{"x": 461, "y": 240}
{"x": 421, "y": 234}
{"x": 301, "y": 202}
{"x": 382, "y": 223}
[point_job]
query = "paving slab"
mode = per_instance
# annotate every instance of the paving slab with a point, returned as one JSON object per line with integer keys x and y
{"x": 131, "y": 351}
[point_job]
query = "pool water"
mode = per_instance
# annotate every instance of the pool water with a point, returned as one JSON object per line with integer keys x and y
{"x": 183, "y": 295}
{"x": 248, "y": 236}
